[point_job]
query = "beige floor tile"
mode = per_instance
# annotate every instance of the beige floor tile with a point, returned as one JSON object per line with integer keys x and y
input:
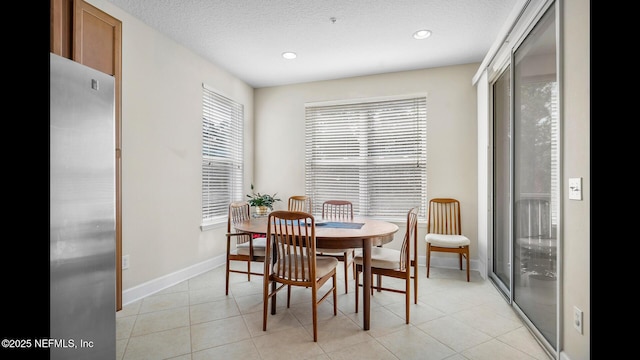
{"x": 244, "y": 350}
{"x": 213, "y": 310}
{"x": 120, "y": 346}
{"x": 454, "y": 333}
{"x": 495, "y": 350}
{"x": 413, "y": 343}
{"x": 368, "y": 350}
{"x": 289, "y": 344}
{"x": 180, "y": 287}
{"x": 124, "y": 325}
{"x": 130, "y": 309}
{"x": 161, "y": 320}
{"x": 446, "y": 302}
{"x": 206, "y": 294}
{"x": 218, "y": 332}
{"x": 159, "y": 345}
{"x": 339, "y": 332}
{"x": 524, "y": 341}
{"x": 159, "y": 302}
{"x": 487, "y": 321}
{"x": 195, "y": 320}
{"x": 249, "y": 303}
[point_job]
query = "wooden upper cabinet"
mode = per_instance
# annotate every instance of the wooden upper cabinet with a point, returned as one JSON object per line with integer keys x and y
{"x": 96, "y": 40}
{"x": 86, "y": 34}
{"x": 60, "y": 27}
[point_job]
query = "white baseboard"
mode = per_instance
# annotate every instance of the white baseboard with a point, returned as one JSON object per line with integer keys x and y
{"x": 141, "y": 291}
{"x": 564, "y": 356}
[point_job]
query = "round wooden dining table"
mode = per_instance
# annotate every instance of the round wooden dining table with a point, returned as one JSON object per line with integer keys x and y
{"x": 373, "y": 232}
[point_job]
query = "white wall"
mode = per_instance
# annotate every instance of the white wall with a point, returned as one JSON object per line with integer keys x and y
{"x": 161, "y": 156}
{"x": 576, "y": 152}
{"x": 451, "y": 136}
{"x": 484, "y": 176}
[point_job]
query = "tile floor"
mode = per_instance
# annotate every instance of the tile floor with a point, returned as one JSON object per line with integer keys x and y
{"x": 453, "y": 320}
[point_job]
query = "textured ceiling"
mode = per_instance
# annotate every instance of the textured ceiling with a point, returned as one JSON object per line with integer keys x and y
{"x": 247, "y": 37}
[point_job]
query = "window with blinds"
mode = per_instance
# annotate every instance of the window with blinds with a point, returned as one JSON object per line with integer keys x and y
{"x": 222, "y": 155}
{"x": 371, "y": 153}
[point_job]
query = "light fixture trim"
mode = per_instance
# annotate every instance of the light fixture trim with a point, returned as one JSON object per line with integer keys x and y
{"x": 289, "y": 55}
{"x": 422, "y": 34}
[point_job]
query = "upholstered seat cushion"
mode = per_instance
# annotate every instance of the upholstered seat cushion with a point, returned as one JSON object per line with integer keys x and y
{"x": 383, "y": 258}
{"x": 259, "y": 244}
{"x": 447, "y": 240}
{"x": 324, "y": 265}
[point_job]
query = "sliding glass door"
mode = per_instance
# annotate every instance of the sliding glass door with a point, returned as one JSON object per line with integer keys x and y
{"x": 526, "y": 125}
{"x": 535, "y": 177}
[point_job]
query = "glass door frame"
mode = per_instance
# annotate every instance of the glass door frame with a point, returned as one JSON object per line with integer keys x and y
{"x": 500, "y": 66}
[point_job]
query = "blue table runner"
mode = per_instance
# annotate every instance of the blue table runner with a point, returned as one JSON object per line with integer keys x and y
{"x": 341, "y": 225}
{"x": 332, "y": 224}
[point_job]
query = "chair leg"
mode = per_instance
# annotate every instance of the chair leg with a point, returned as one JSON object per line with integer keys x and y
{"x": 335, "y": 294}
{"x": 415, "y": 283}
{"x": 265, "y": 305}
{"x": 467, "y": 256}
{"x": 314, "y": 310}
{"x": 428, "y": 258}
{"x": 357, "y": 273}
{"x": 353, "y": 263}
{"x": 372, "y": 286}
{"x": 226, "y": 291}
{"x": 407, "y": 296}
{"x": 346, "y": 268}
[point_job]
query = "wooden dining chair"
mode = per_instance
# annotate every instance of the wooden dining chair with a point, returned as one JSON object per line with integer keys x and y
{"x": 396, "y": 264}
{"x": 300, "y": 203}
{"x": 295, "y": 263}
{"x": 444, "y": 230}
{"x": 247, "y": 247}
{"x": 339, "y": 210}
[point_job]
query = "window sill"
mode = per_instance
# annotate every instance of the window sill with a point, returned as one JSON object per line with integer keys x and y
{"x": 212, "y": 225}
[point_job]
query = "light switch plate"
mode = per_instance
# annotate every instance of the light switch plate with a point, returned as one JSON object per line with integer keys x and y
{"x": 575, "y": 188}
{"x": 577, "y": 319}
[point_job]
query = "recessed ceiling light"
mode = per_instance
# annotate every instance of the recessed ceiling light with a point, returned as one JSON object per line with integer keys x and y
{"x": 289, "y": 55}
{"x": 421, "y": 34}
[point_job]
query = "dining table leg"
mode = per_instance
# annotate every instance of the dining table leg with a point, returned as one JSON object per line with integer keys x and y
{"x": 366, "y": 298}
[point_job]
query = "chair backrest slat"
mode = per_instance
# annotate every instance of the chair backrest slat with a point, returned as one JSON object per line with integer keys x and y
{"x": 443, "y": 216}
{"x": 239, "y": 211}
{"x": 300, "y": 203}
{"x": 337, "y": 210}
{"x": 410, "y": 239}
{"x": 293, "y": 235}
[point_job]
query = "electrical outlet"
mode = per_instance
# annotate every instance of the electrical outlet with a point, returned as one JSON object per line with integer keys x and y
{"x": 577, "y": 319}
{"x": 125, "y": 262}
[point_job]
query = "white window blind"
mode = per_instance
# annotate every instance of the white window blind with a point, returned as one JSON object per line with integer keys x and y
{"x": 222, "y": 154}
{"x": 371, "y": 153}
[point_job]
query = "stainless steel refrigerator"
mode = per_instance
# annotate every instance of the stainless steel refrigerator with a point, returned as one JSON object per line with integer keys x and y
{"x": 82, "y": 212}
